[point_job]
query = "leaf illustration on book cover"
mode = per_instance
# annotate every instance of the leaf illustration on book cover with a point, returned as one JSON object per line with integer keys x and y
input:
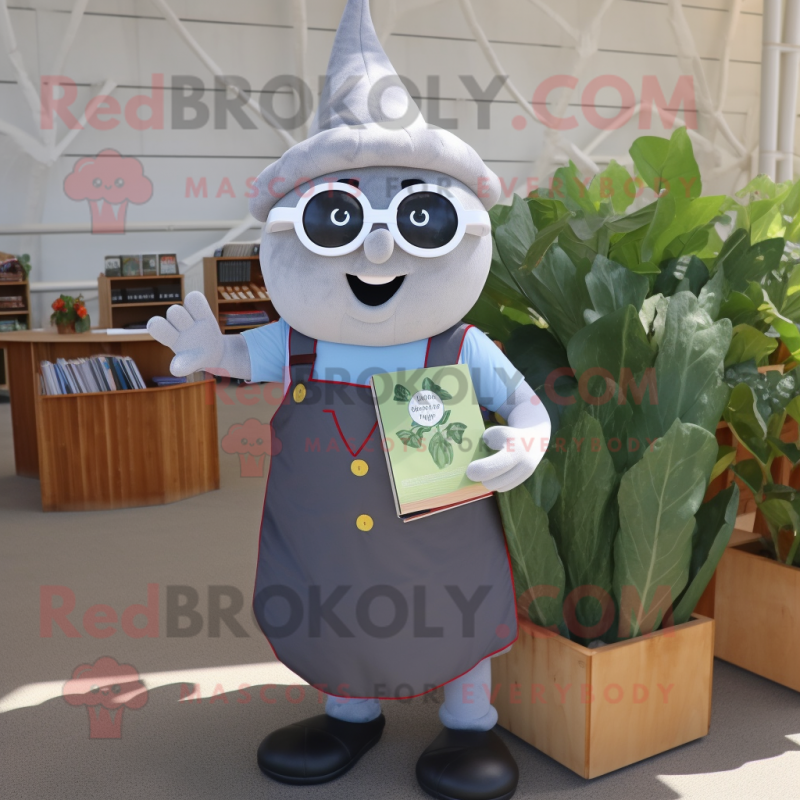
{"x": 455, "y": 431}
{"x": 411, "y": 438}
{"x": 401, "y": 394}
{"x": 445, "y": 417}
{"x": 429, "y": 386}
{"x": 441, "y": 451}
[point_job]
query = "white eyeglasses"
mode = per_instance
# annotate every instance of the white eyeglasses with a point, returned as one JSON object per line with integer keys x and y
{"x": 425, "y": 220}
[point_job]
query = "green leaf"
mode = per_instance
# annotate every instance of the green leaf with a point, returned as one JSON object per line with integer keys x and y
{"x": 614, "y": 183}
{"x": 748, "y": 343}
{"x": 726, "y": 455}
{"x": 748, "y": 426}
{"x": 534, "y": 557}
{"x": 557, "y": 290}
{"x": 667, "y": 235}
{"x": 83, "y": 325}
{"x": 455, "y": 431}
{"x": 615, "y": 343}
{"x": 545, "y": 239}
{"x": 429, "y": 386}
{"x": 445, "y": 417}
{"x": 543, "y": 485}
{"x": 687, "y": 273}
{"x": 688, "y": 371}
{"x": 712, "y": 293}
{"x": 611, "y": 287}
{"x": 735, "y": 246}
{"x": 401, "y": 394}
{"x": 441, "y": 451}
{"x": 515, "y": 234}
{"x": 750, "y": 474}
{"x": 410, "y": 438}
{"x": 787, "y": 449}
{"x": 668, "y": 164}
{"x": 715, "y": 521}
{"x": 542, "y": 359}
{"x": 788, "y": 330}
{"x": 583, "y": 520}
{"x": 754, "y": 264}
{"x": 658, "y": 499}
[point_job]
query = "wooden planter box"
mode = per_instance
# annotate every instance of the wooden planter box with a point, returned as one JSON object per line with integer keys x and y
{"x": 595, "y": 711}
{"x": 757, "y": 612}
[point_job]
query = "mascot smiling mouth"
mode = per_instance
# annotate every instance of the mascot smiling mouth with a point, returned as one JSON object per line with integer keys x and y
{"x": 374, "y": 294}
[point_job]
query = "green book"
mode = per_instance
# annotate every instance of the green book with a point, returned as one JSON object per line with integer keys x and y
{"x": 431, "y": 430}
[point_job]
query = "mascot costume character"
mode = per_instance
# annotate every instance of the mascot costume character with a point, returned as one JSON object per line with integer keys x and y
{"x": 377, "y": 241}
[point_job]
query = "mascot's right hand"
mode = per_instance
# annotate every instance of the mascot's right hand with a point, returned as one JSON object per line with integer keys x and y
{"x": 192, "y": 332}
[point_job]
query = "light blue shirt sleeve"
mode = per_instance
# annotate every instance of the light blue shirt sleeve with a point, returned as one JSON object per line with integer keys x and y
{"x": 268, "y": 347}
{"x": 493, "y": 375}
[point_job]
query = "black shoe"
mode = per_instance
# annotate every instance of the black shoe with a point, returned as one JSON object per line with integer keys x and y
{"x": 468, "y": 765}
{"x": 317, "y": 750}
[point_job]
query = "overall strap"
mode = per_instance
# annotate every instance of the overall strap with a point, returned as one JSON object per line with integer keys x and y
{"x": 444, "y": 349}
{"x": 302, "y": 355}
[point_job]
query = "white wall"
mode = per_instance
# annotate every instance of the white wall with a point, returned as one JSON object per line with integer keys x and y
{"x": 128, "y": 41}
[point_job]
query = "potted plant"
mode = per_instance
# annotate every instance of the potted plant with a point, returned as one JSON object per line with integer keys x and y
{"x": 70, "y": 315}
{"x": 615, "y": 320}
{"x": 757, "y": 585}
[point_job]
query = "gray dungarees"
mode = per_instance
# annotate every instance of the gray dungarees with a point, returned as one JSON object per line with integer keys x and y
{"x": 351, "y": 598}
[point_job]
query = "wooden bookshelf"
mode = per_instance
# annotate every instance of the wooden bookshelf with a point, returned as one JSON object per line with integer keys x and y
{"x": 111, "y": 449}
{"x": 255, "y": 284}
{"x": 23, "y": 315}
{"x": 120, "y": 314}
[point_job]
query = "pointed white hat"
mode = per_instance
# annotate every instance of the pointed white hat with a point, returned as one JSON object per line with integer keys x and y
{"x": 367, "y": 118}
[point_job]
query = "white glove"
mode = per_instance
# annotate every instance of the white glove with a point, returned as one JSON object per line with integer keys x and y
{"x": 521, "y": 445}
{"x": 192, "y": 332}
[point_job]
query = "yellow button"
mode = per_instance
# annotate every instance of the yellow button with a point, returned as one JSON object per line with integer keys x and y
{"x": 364, "y": 523}
{"x": 359, "y": 467}
{"x": 299, "y": 393}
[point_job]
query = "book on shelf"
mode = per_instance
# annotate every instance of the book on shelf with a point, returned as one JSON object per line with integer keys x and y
{"x": 168, "y": 264}
{"x": 131, "y": 266}
{"x": 10, "y": 324}
{"x": 150, "y": 265}
{"x": 244, "y": 318}
{"x": 100, "y": 373}
{"x": 233, "y": 272}
{"x": 113, "y": 266}
{"x": 12, "y": 302}
{"x": 239, "y": 249}
{"x": 169, "y": 380}
{"x": 431, "y": 429}
{"x": 11, "y": 269}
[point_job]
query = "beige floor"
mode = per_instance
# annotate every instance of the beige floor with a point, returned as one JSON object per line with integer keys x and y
{"x": 198, "y": 750}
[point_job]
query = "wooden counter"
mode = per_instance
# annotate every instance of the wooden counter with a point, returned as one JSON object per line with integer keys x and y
{"x": 110, "y": 449}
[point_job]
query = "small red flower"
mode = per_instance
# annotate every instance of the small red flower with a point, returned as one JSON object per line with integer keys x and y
{"x": 58, "y": 305}
{"x": 81, "y": 311}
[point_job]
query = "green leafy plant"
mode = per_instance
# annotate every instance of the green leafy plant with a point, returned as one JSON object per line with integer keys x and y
{"x": 624, "y": 323}
{"x": 439, "y": 446}
{"x": 756, "y": 413}
{"x": 71, "y": 311}
{"x": 25, "y": 262}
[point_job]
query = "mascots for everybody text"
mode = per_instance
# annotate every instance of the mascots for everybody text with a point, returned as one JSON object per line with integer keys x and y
{"x": 376, "y": 243}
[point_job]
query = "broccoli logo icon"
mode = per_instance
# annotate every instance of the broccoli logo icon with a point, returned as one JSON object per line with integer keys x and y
{"x": 106, "y": 688}
{"x": 109, "y": 182}
{"x": 252, "y": 441}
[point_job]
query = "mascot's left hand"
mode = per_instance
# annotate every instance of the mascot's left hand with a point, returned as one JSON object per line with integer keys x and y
{"x": 520, "y": 451}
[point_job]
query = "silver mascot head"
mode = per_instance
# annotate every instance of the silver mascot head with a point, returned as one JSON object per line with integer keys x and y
{"x": 377, "y": 231}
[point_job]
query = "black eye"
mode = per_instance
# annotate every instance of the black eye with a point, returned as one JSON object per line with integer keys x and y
{"x": 97, "y": 182}
{"x": 259, "y": 441}
{"x": 116, "y": 688}
{"x": 427, "y": 220}
{"x": 333, "y": 219}
{"x": 119, "y": 183}
{"x": 244, "y": 441}
{"x": 95, "y": 689}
